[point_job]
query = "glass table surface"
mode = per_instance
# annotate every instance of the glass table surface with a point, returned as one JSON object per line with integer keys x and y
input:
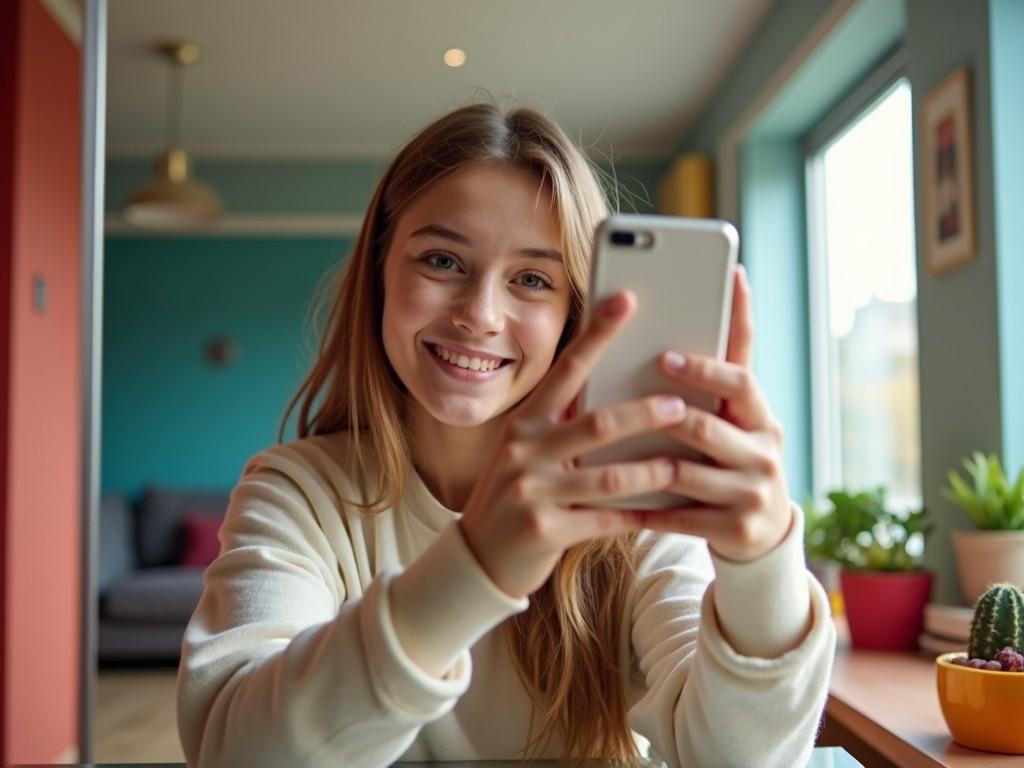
{"x": 823, "y": 757}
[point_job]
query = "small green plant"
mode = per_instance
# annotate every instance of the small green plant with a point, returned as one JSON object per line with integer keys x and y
{"x": 859, "y": 531}
{"x": 993, "y": 503}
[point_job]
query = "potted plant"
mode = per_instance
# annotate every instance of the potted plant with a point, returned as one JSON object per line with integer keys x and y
{"x": 883, "y": 586}
{"x": 994, "y": 551}
{"x": 981, "y": 693}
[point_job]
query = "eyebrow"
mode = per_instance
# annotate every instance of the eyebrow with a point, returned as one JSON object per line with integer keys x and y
{"x": 458, "y": 237}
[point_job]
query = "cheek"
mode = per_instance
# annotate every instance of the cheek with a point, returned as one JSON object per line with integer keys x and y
{"x": 540, "y": 332}
{"x": 409, "y": 305}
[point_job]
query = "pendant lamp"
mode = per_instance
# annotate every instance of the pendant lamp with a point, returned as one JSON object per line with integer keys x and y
{"x": 173, "y": 198}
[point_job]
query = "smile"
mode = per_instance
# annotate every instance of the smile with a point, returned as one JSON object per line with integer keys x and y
{"x": 466, "y": 367}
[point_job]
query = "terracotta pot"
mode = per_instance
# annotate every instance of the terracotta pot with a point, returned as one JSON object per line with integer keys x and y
{"x": 885, "y": 611}
{"x": 988, "y": 557}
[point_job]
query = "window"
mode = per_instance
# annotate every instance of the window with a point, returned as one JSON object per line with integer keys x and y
{"x": 866, "y": 425}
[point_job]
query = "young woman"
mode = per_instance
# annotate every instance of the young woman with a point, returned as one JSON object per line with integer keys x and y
{"x": 426, "y": 574}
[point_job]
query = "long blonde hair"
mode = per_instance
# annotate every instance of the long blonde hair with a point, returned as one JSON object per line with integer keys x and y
{"x": 566, "y": 645}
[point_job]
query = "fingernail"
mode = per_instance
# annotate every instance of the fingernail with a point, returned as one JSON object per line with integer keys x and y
{"x": 675, "y": 361}
{"x": 615, "y": 306}
{"x": 671, "y": 407}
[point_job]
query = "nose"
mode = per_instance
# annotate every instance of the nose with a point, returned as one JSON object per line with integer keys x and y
{"x": 479, "y": 309}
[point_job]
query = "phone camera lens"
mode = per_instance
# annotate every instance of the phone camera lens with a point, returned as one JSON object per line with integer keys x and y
{"x": 620, "y": 237}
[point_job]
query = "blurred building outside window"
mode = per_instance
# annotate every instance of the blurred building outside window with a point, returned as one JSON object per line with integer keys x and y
{"x": 866, "y": 425}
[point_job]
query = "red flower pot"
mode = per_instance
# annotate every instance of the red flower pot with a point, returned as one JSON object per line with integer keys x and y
{"x": 885, "y": 611}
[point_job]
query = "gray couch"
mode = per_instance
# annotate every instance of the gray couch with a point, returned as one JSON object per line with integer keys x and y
{"x": 146, "y": 597}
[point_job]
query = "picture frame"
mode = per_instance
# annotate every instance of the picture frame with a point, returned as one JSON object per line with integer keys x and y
{"x": 947, "y": 162}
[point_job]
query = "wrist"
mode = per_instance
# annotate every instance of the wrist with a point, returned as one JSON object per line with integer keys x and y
{"x": 517, "y": 577}
{"x": 771, "y": 541}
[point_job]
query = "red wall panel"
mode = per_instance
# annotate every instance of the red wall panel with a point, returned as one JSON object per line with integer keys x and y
{"x": 41, "y": 390}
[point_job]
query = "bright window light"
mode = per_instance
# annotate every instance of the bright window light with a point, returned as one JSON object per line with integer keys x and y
{"x": 867, "y": 430}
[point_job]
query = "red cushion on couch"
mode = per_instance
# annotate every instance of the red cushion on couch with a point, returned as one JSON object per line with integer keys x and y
{"x": 201, "y": 544}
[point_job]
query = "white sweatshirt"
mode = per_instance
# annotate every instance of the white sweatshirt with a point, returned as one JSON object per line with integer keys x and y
{"x": 291, "y": 658}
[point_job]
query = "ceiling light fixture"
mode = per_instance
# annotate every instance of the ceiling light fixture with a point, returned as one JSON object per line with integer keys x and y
{"x": 173, "y": 199}
{"x": 455, "y": 57}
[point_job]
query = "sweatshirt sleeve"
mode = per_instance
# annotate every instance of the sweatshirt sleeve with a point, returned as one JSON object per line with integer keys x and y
{"x": 702, "y": 701}
{"x": 283, "y": 663}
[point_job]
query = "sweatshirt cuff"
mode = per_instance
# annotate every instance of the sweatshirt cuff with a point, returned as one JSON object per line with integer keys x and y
{"x": 764, "y": 606}
{"x": 449, "y": 602}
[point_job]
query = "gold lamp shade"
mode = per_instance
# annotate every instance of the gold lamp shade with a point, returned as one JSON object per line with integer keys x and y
{"x": 172, "y": 199}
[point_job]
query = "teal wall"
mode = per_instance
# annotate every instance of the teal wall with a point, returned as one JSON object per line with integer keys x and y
{"x": 775, "y": 254}
{"x": 957, "y": 311}
{"x": 170, "y": 418}
{"x": 970, "y": 323}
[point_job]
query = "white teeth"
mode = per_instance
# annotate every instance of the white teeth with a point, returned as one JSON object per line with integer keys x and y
{"x": 463, "y": 361}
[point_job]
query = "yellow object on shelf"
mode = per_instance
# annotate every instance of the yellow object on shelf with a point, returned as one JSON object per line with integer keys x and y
{"x": 835, "y": 598}
{"x": 686, "y": 189}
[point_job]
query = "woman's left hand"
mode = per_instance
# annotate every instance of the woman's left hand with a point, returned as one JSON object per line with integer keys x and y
{"x": 742, "y": 502}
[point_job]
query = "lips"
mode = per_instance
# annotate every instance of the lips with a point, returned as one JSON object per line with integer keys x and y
{"x": 467, "y": 359}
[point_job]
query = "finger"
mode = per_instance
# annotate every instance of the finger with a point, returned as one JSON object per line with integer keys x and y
{"x": 578, "y": 525}
{"x": 609, "y": 481}
{"x": 716, "y": 486}
{"x": 741, "y": 324}
{"x": 727, "y": 444}
{"x": 733, "y": 383}
{"x": 610, "y": 424}
{"x": 566, "y": 377}
{"x": 704, "y": 521}
{"x": 724, "y": 379}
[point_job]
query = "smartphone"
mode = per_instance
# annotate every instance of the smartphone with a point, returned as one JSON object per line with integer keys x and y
{"x": 681, "y": 272}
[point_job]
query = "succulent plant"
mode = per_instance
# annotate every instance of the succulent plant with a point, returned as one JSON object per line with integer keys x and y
{"x": 993, "y": 501}
{"x": 998, "y": 623}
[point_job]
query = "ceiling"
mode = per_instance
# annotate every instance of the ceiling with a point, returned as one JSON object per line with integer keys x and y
{"x": 354, "y": 78}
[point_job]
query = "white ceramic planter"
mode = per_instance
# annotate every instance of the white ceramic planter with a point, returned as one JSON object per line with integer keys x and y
{"x": 987, "y": 557}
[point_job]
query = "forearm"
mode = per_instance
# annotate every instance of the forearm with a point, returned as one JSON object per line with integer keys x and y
{"x": 342, "y": 689}
{"x": 710, "y": 705}
{"x": 288, "y": 689}
{"x": 444, "y": 602}
{"x": 763, "y": 607}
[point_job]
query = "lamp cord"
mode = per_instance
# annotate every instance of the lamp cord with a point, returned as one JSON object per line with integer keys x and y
{"x": 174, "y": 105}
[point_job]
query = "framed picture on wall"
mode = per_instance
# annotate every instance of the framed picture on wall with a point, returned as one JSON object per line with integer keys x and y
{"x": 948, "y": 183}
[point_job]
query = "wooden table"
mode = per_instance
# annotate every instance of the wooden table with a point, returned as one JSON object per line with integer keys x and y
{"x": 888, "y": 701}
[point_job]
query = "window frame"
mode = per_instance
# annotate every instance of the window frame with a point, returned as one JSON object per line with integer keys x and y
{"x": 826, "y": 449}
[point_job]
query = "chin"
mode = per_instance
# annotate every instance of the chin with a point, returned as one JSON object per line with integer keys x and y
{"x": 465, "y": 414}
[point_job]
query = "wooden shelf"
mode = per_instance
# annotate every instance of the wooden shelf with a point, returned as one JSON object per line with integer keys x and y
{"x": 889, "y": 701}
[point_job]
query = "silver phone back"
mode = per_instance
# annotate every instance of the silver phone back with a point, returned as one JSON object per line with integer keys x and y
{"x": 683, "y": 285}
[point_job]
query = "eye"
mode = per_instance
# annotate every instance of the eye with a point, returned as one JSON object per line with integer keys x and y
{"x": 534, "y": 281}
{"x": 441, "y": 261}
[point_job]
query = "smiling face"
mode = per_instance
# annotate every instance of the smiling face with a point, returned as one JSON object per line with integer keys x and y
{"x": 476, "y": 293}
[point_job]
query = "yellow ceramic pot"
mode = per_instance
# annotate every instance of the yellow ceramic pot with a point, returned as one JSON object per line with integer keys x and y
{"x": 983, "y": 709}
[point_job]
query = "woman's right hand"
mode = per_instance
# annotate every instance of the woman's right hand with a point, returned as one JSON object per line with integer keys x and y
{"x": 531, "y": 504}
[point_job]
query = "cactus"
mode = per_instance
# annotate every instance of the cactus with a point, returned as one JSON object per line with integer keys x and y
{"x": 998, "y": 622}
